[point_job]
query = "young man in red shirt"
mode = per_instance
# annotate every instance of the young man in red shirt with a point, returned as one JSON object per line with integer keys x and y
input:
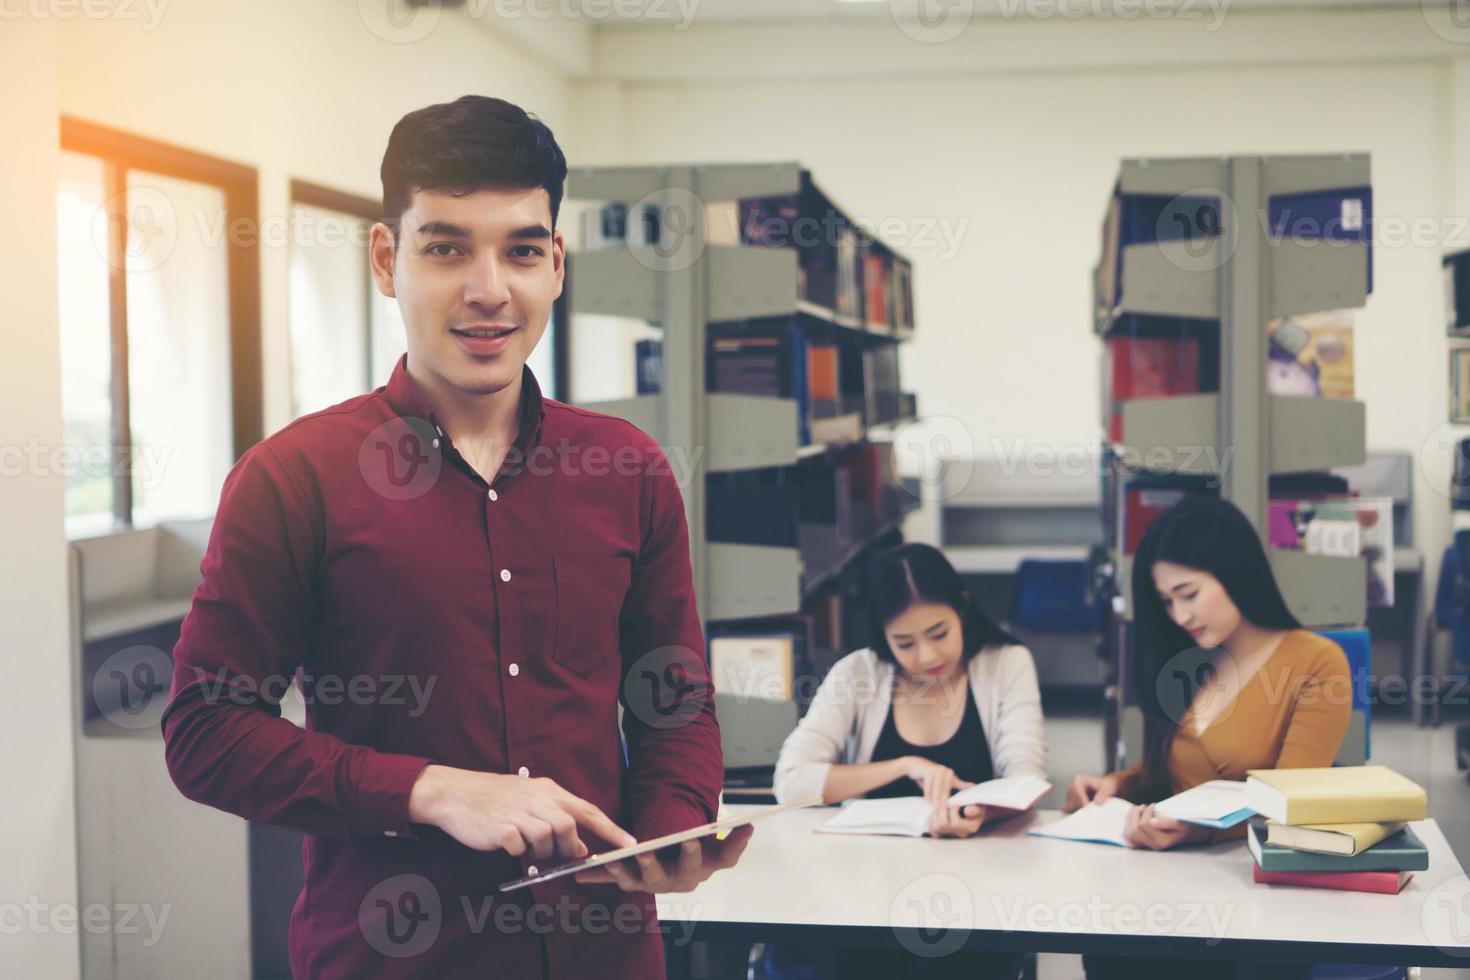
{"x": 468, "y": 578}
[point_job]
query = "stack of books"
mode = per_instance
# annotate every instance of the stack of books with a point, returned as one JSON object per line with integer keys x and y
{"x": 1344, "y": 828}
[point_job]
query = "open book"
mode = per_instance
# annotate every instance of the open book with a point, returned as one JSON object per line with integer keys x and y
{"x": 1218, "y": 803}
{"x": 908, "y": 816}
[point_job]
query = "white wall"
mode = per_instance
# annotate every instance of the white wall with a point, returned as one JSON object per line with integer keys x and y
{"x": 300, "y": 90}
{"x": 1011, "y": 135}
{"x": 38, "y": 857}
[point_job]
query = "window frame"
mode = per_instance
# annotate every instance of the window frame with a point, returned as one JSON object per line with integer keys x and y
{"x": 119, "y": 153}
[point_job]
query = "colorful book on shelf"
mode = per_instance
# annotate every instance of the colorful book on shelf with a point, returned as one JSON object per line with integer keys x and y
{"x": 876, "y": 281}
{"x": 1148, "y": 367}
{"x": 1340, "y": 794}
{"x": 1382, "y": 882}
{"x": 908, "y": 816}
{"x": 1311, "y": 355}
{"x": 1399, "y": 851}
{"x": 648, "y": 355}
{"x": 1343, "y": 214}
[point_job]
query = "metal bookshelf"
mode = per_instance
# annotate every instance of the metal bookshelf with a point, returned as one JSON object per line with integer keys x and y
{"x": 701, "y": 284}
{"x": 1240, "y": 276}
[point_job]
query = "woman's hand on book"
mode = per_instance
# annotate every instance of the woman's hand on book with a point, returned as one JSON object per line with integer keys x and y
{"x": 1145, "y": 827}
{"x": 958, "y": 821}
{"x": 1089, "y": 789}
{"x": 938, "y": 782}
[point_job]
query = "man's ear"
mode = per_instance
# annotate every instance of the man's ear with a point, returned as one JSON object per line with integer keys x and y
{"x": 559, "y": 261}
{"x": 382, "y": 258}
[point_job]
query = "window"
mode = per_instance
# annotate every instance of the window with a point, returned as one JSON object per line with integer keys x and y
{"x": 345, "y": 335}
{"x": 159, "y": 307}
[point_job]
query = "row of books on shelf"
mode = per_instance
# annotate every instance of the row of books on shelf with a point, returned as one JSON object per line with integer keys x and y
{"x": 1460, "y": 381}
{"x": 841, "y": 387}
{"x": 1345, "y": 828}
{"x": 827, "y": 507}
{"x": 840, "y": 267}
{"x": 1310, "y": 355}
{"x": 1312, "y": 513}
{"x": 1342, "y": 215}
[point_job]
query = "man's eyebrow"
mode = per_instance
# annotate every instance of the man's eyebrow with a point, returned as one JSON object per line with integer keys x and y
{"x": 530, "y": 233}
{"x": 443, "y": 228}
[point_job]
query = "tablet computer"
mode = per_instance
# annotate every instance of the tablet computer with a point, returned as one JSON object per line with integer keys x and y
{"x": 658, "y": 843}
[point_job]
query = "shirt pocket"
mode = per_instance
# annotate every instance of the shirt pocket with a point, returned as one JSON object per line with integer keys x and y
{"x": 589, "y": 602}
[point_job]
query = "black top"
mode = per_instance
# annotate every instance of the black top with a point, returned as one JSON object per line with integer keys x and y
{"x": 966, "y": 752}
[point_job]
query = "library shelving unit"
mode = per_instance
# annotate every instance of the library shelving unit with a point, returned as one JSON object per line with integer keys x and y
{"x": 791, "y": 475}
{"x": 1210, "y": 251}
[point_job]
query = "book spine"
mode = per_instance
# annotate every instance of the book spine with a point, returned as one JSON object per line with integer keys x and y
{"x": 1381, "y": 882}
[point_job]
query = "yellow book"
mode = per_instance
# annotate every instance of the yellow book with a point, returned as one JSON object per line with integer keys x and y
{"x": 1345, "y": 839}
{"x": 1341, "y": 794}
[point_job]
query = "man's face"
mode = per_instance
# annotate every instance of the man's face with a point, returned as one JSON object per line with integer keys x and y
{"x": 475, "y": 278}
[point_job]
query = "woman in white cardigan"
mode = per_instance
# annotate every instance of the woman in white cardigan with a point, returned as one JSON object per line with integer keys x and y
{"x": 941, "y": 699}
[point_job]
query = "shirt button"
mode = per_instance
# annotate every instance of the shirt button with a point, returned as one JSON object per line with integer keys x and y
{"x": 436, "y": 443}
{"x": 524, "y": 771}
{"x": 494, "y": 495}
{"x": 505, "y": 575}
{"x": 515, "y": 669}
{"x": 390, "y": 833}
{"x": 533, "y": 870}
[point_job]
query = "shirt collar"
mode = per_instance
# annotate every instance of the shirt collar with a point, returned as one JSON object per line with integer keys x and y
{"x": 407, "y": 399}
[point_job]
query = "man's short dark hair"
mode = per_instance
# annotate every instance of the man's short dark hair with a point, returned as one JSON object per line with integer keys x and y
{"x": 461, "y": 146}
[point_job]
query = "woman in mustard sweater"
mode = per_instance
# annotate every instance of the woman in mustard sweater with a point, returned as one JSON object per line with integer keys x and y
{"x": 1227, "y": 679}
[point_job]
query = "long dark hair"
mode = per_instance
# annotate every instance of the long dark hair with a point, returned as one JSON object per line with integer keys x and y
{"x": 1210, "y": 535}
{"x": 898, "y": 577}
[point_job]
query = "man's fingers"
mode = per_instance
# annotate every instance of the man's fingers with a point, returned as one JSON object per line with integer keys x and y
{"x": 562, "y": 826}
{"x": 651, "y": 870}
{"x": 599, "y": 823}
{"x": 537, "y": 834}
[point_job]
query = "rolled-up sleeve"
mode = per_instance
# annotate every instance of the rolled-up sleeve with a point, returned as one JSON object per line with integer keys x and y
{"x": 246, "y": 634}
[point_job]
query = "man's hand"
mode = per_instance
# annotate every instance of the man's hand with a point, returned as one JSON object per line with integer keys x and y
{"x": 1146, "y": 828}
{"x": 489, "y": 812}
{"x": 692, "y": 863}
{"x": 1089, "y": 789}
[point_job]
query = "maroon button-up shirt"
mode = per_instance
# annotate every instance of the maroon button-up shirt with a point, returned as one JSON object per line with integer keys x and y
{"x": 431, "y": 617}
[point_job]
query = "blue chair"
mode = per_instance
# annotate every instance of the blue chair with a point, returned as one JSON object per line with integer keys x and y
{"x": 1054, "y": 596}
{"x": 1357, "y": 644}
{"x": 1452, "y": 612}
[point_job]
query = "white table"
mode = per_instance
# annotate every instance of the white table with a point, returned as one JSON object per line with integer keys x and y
{"x": 1005, "y": 890}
